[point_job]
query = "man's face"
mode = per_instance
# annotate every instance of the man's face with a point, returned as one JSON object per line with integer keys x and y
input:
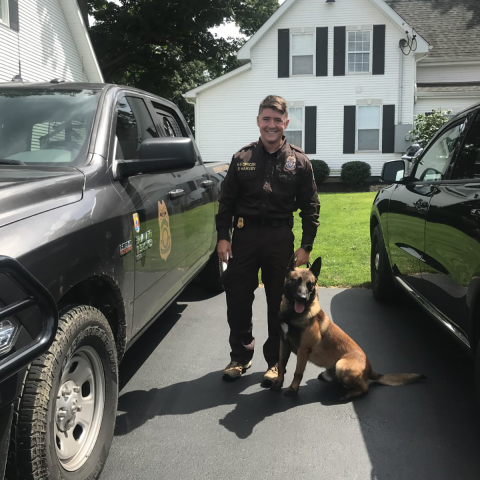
{"x": 272, "y": 124}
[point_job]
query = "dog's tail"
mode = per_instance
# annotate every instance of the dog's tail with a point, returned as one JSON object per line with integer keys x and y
{"x": 396, "y": 379}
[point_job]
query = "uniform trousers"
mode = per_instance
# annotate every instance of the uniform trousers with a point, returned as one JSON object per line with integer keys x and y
{"x": 256, "y": 247}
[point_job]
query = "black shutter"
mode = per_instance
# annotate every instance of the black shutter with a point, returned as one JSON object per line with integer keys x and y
{"x": 339, "y": 34}
{"x": 349, "y": 114}
{"x": 388, "y": 129}
{"x": 322, "y": 51}
{"x": 310, "y": 130}
{"x": 378, "y": 60}
{"x": 13, "y": 14}
{"x": 283, "y": 53}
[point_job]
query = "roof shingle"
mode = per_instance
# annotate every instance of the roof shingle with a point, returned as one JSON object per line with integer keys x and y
{"x": 451, "y": 27}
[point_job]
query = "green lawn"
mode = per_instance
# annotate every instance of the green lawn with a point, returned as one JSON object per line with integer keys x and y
{"x": 343, "y": 239}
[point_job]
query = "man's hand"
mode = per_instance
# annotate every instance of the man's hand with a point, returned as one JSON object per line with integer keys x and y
{"x": 302, "y": 257}
{"x": 224, "y": 250}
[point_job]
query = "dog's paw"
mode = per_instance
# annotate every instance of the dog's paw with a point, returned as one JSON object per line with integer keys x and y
{"x": 276, "y": 386}
{"x": 291, "y": 392}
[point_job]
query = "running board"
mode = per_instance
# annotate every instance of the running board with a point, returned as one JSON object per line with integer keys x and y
{"x": 434, "y": 312}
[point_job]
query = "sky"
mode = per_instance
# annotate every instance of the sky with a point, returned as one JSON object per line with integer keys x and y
{"x": 230, "y": 29}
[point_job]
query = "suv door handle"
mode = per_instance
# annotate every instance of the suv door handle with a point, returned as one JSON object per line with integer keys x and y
{"x": 206, "y": 183}
{"x": 421, "y": 205}
{"x": 177, "y": 193}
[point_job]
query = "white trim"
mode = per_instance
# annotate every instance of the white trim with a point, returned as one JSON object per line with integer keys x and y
{"x": 78, "y": 29}
{"x": 5, "y": 19}
{"x": 193, "y": 93}
{"x": 314, "y": 59}
{"x": 244, "y": 54}
{"x": 373, "y": 103}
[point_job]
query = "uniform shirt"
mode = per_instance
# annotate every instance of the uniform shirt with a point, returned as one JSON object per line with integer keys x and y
{"x": 259, "y": 184}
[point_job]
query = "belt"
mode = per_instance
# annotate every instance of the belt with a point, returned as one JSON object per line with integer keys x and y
{"x": 240, "y": 222}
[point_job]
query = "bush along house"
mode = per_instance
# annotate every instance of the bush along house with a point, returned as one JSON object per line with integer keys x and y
{"x": 354, "y": 73}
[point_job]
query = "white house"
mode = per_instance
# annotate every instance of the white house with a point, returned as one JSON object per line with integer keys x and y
{"x": 45, "y": 39}
{"x": 354, "y": 73}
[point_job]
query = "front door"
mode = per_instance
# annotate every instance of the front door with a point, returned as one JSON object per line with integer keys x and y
{"x": 409, "y": 207}
{"x": 452, "y": 236}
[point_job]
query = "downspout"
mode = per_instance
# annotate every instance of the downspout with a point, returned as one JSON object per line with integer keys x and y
{"x": 400, "y": 86}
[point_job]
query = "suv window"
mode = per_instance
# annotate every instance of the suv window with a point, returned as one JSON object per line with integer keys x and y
{"x": 433, "y": 163}
{"x": 468, "y": 163}
{"x": 134, "y": 125}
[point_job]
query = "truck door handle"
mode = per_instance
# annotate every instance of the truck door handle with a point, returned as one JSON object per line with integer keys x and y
{"x": 206, "y": 183}
{"x": 177, "y": 193}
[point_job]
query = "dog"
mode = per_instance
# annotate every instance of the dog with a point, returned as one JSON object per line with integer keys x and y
{"x": 310, "y": 333}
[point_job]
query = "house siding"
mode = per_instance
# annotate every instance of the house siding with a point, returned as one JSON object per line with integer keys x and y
{"x": 47, "y": 49}
{"x": 448, "y": 73}
{"x": 456, "y": 105}
{"x": 227, "y": 112}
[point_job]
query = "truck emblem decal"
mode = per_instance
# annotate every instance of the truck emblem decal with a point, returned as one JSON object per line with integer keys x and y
{"x": 240, "y": 223}
{"x": 125, "y": 248}
{"x": 165, "y": 243}
{"x": 290, "y": 163}
{"x": 136, "y": 222}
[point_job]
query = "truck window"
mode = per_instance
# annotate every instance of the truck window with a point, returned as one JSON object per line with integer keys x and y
{"x": 167, "y": 121}
{"x": 134, "y": 125}
{"x": 468, "y": 162}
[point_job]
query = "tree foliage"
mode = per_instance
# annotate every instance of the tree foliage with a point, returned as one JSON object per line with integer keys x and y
{"x": 166, "y": 46}
{"x": 426, "y": 125}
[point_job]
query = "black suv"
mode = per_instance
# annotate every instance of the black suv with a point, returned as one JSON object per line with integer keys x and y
{"x": 425, "y": 229}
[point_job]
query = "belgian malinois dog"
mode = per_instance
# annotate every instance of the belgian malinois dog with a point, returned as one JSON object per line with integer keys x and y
{"x": 312, "y": 336}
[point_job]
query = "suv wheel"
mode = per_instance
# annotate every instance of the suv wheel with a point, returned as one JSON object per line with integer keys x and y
{"x": 64, "y": 419}
{"x": 212, "y": 273}
{"x": 382, "y": 281}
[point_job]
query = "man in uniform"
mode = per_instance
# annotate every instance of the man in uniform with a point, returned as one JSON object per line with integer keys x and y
{"x": 266, "y": 182}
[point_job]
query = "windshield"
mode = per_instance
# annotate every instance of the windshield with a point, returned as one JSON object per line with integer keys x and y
{"x": 45, "y": 126}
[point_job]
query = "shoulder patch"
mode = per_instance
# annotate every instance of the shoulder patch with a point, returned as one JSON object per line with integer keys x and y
{"x": 297, "y": 149}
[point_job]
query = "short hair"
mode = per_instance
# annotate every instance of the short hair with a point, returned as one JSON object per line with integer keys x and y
{"x": 275, "y": 103}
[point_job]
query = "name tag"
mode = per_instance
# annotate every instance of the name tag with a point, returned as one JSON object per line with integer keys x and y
{"x": 246, "y": 167}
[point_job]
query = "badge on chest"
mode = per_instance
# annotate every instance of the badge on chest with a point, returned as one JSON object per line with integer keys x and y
{"x": 291, "y": 163}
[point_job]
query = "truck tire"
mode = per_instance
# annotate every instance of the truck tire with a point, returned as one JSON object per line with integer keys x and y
{"x": 64, "y": 418}
{"x": 383, "y": 287}
{"x": 211, "y": 274}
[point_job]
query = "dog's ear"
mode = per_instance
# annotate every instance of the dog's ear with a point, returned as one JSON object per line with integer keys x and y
{"x": 291, "y": 265}
{"x": 316, "y": 267}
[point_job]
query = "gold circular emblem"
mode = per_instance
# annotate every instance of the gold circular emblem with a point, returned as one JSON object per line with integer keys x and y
{"x": 165, "y": 241}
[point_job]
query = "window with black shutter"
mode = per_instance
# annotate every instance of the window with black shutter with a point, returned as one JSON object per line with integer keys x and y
{"x": 283, "y": 53}
{"x": 13, "y": 14}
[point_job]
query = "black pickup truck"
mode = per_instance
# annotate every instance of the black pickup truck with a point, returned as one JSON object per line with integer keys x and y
{"x": 105, "y": 200}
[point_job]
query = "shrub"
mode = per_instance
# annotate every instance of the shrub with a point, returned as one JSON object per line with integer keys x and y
{"x": 355, "y": 173}
{"x": 426, "y": 125}
{"x": 321, "y": 171}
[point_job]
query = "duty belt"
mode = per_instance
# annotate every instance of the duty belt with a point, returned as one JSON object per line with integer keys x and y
{"x": 241, "y": 222}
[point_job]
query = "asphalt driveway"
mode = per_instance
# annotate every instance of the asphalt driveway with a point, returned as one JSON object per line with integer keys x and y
{"x": 178, "y": 420}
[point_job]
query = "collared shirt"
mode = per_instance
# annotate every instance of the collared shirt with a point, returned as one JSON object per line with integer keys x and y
{"x": 260, "y": 184}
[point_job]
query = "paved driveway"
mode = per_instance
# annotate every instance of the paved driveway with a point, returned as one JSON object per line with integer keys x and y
{"x": 178, "y": 420}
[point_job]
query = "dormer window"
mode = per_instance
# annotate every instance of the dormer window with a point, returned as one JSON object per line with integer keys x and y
{"x": 303, "y": 49}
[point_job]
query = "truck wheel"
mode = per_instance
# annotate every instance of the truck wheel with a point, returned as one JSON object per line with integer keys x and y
{"x": 383, "y": 287}
{"x": 211, "y": 274}
{"x": 64, "y": 419}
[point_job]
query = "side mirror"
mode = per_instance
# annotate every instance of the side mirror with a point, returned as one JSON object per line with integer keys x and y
{"x": 160, "y": 155}
{"x": 393, "y": 171}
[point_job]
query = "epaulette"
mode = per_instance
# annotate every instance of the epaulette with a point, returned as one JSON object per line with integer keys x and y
{"x": 246, "y": 147}
{"x": 297, "y": 149}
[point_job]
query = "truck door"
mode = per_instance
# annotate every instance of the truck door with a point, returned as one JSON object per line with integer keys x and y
{"x": 155, "y": 211}
{"x": 198, "y": 188}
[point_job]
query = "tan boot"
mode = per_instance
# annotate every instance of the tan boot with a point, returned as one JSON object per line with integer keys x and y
{"x": 235, "y": 370}
{"x": 270, "y": 376}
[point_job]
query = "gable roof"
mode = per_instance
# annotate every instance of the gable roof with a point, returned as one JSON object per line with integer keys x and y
{"x": 452, "y": 27}
{"x": 243, "y": 55}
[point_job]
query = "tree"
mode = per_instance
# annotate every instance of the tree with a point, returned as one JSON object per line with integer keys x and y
{"x": 165, "y": 46}
{"x": 426, "y": 125}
